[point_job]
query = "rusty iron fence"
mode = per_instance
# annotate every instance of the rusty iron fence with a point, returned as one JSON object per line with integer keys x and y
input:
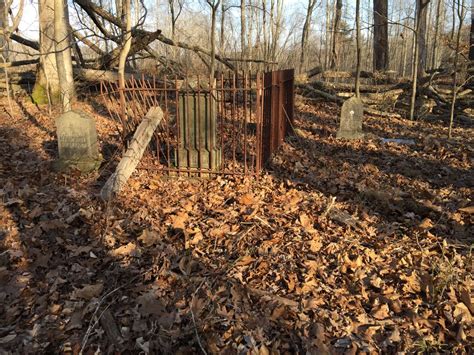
{"x": 230, "y": 126}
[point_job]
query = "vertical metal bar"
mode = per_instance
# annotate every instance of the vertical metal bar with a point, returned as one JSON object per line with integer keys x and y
{"x": 197, "y": 130}
{"x": 222, "y": 121}
{"x": 233, "y": 116}
{"x": 244, "y": 93}
{"x": 167, "y": 120}
{"x": 187, "y": 123}
{"x": 178, "y": 129}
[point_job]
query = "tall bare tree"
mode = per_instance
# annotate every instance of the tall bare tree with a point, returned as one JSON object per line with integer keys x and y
{"x": 422, "y": 14}
{"x": 381, "y": 58}
{"x": 358, "y": 49}
{"x": 336, "y": 34}
{"x": 63, "y": 53}
{"x": 214, "y": 5}
{"x": 461, "y": 14}
{"x": 305, "y": 32}
{"x": 47, "y": 88}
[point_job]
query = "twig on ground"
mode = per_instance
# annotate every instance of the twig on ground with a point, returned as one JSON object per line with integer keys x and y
{"x": 330, "y": 205}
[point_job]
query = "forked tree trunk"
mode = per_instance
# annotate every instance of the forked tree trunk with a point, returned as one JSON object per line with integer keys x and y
{"x": 47, "y": 89}
{"x": 381, "y": 58}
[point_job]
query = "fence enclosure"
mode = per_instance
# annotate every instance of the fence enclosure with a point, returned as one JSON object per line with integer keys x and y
{"x": 230, "y": 127}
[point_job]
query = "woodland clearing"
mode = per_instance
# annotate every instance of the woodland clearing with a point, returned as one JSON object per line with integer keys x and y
{"x": 340, "y": 246}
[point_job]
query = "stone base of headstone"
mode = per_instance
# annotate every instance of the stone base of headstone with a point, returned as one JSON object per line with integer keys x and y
{"x": 199, "y": 159}
{"x": 349, "y": 135}
{"x": 83, "y": 165}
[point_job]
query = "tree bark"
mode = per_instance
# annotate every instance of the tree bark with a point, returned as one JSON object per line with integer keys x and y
{"x": 422, "y": 13}
{"x": 335, "y": 35}
{"x": 126, "y": 44}
{"x": 358, "y": 49}
{"x": 47, "y": 88}
{"x": 63, "y": 53}
{"x": 461, "y": 12}
{"x": 305, "y": 33}
{"x": 381, "y": 53}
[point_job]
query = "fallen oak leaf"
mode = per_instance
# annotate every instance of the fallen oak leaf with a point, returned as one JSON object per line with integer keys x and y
{"x": 381, "y": 312}
{"x": 148, "y": 237}
{"x": 129, "y": 249}
{"x": 89, "y": 291}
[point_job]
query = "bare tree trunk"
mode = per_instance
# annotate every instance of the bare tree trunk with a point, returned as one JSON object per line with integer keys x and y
{"x": 461, "y": 12}
{"x": 335, "y": 36}
{"x": 381, "y": 58}
{"x": 214, "y": 6}
{"x": 358, "y": 49}
{"x": 63, "y": 53}
{"x": 422, "y": 12}
{"x": 415, "y": 70}
{"x": 434, "y": 58}
{"x": 471, "y": 38}
{"x": 305, "y": 33}
{"x": 243, "y": 28}
{"x": 126, "y": 44}
{"x": 47, "y": 88}
{"x": 222, "y": 30}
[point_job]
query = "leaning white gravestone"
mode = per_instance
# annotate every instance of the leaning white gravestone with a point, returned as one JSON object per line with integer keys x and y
{"x": 352, "y": 114}
{"x": 77, "y": 142}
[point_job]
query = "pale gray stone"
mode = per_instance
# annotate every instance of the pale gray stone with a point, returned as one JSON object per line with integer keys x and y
{"x": 352, "y": 114}
{"x": 77, "y": 142}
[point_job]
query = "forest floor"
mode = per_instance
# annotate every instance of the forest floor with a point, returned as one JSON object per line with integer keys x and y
{"x": 342, "y": 246}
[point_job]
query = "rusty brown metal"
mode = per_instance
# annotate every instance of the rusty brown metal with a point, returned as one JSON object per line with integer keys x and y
{"x": 250, "y": 113}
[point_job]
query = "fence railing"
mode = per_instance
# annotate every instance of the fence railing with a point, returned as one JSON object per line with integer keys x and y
{"x": 230, "y": 126}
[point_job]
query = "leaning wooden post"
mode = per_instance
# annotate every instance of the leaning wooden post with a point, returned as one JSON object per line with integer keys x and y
{"x": 133, "y": 155}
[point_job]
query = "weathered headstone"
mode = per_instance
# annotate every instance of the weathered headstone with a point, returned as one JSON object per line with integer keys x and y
{"x": 198, "y": 147}
{"x": 352, "y": 114}
{"x": 77, "y": 142}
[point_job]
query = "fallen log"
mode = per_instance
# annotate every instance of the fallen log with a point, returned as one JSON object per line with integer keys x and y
{"x": 133, "y": 155}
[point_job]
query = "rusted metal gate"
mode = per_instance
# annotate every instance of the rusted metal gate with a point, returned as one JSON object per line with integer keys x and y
{"x": 231, "y": 127}
{"x": 278, "y": 110}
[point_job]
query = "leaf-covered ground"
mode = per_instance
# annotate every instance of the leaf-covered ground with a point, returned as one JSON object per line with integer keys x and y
{"x": 341, "y": 247}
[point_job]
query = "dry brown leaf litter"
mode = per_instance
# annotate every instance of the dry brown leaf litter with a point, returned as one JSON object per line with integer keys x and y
{"x": 342, "y": 247}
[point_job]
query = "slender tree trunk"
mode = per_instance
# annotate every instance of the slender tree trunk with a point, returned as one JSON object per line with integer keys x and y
{"x": 126, "y": 44}
{"x": 212, "y": 68}
{"x": 471, "y": 38}
{"x": 335, "y": 36}
{"x": 381, "y": 58}
{"x": 222, "y": 31}
{"x": 434, "y": 58}
{"x": 63, "y": 53}
{"x": 415, "y": 70}
{"x": 243, "y": 29}
{"x": 461, "y": 12}
{"x": 358, "y": 49}
{"x": 4, "y": 28}
{"x": 305, "y": 33}
{"x": 47, "y": 88}
{"x": 422, "y": 12}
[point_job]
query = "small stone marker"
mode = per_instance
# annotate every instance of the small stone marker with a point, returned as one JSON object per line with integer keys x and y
{"x": 77, "y": 142}
{"x": 350, "y": 125}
